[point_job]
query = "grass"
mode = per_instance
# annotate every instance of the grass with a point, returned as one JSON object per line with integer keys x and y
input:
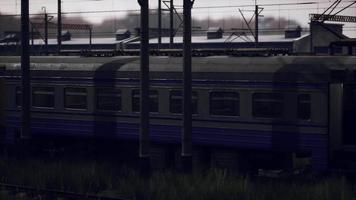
{"x": 107, "y": 179}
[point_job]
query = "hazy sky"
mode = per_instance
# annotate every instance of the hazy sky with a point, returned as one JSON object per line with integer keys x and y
{"x": 293, "y": 12}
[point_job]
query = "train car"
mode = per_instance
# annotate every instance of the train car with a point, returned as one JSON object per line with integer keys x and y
{"x": 292, "y": 104}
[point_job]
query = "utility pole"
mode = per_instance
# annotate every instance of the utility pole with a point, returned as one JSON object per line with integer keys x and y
{"x": 187, "y": 87}
{"x": 159, "y": 23}
{"x": 171, "y": 24}
{"x": 90, "y": 37}
{"x": 25, "y": 71}
{"x": 256, "y": 23}
{"x": 59, "y": 24}
{"x": 145, "y": 160}
{"x": 32, "y": 35}
{"x": 46, "y": 32}
{"x": 46, "y": 29}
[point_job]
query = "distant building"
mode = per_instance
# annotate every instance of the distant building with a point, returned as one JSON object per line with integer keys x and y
{"x": 295, "y": 32}
{"x": 122, "y": 34}
{"x": 66, "y": 35}
{"x": 319, "y": 39}
{"x": 165, "y": 32}
{"x": 349, "y": 43}
{"x": 11, "y": 37}
{"x": 215, "y": 33}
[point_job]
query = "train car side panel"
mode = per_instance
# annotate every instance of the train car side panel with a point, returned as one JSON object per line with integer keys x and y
{"x": 335, "y": 115}
{"x": 2, "y": 112}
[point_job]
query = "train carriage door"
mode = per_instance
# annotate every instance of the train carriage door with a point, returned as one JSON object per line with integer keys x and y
{"x": 349, "y": 114}
{"x": 2, "y": 101}
{"x": 342, "y": 114}
{"x": 335, "y": 114}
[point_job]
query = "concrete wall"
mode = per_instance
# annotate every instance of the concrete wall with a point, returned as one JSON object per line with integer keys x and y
{"x": 302, "y": 45}
{"x": 319, "y": 39}
{"x": 323, "y": 35}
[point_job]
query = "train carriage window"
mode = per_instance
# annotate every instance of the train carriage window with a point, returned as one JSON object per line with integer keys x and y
{"x": 267, "y": 105}
{"x": 18, "y": 96}
{"x": 176, "y": 102}
{"x": 108, "y": 99}
{"x": 153, "y": 101}
{"x": 225, "y": 103}
{"x": 43, "y": 97}
{"x": 304, "y": 106}
{"x": 75, "y": 98}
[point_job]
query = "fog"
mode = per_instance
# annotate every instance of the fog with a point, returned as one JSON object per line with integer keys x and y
{"x": 268, "y": 25}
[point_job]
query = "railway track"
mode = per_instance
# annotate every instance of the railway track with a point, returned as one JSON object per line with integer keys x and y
{"x": 50, "y": 194}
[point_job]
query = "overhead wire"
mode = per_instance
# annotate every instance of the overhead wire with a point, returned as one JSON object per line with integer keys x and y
{"x": 135, "y": 10}
{"x": 211, "y": 9}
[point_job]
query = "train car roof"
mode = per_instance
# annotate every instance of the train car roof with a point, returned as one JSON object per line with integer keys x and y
{"x": 312, "y": 68}
{"x": 174, "y": 64}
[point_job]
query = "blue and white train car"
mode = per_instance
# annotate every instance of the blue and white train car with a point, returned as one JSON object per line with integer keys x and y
{"x": 275, "y": 104}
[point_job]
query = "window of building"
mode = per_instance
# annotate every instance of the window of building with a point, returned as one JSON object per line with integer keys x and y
{"x": 18, "y": 96}
{"x": 304, "y": 105}
{"x": 75, "y": 98}
{"x": 267, "y": 105}
{"x": 108, "y": 99}
{"x": 153, "y": 101}
{"x": 224, "y": 103}
{"x": 176, "y": 102}
{"x": 43, "y": 97}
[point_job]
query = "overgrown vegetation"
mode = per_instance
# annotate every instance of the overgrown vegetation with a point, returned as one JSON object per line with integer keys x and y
{"x": 107, "y": 179}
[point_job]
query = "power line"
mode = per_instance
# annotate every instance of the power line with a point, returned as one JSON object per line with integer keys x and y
{"x": 42, "y": 2}
{"x": 212, "y": 7}
{"x": 196, "y": 8}
{"x": 133, "y": 10}
{"x": 272, "y": 10}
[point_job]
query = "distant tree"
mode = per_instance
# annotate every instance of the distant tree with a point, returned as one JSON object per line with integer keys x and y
{"x": 132, "y": 20}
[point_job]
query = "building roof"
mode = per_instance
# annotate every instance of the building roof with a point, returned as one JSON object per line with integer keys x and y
{"x": 122, "y": 31}
{"x": 233, "y": 39}
{"x": 202, "y": 39}
{"x": 179, "y": 39}
{"x": 65, "y": 32}
{"x": 200, "y": 64}
{"x": 79, "y": 41}
{"x": 214, "y": 29}
{"x": 13, "y": 37}
{"x": 291, "y": 69}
